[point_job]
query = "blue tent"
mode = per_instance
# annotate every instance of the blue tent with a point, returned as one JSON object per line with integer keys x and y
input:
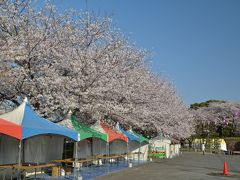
{"x": 31, "y": 124}
{"x": 130, "y": 136}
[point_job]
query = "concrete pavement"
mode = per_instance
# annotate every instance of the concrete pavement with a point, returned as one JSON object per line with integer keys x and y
{"x": 188, "y": 166}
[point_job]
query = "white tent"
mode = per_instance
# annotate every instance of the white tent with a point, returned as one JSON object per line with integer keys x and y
{"x": 223, "y": 145}
{"x": 161, "y": 144}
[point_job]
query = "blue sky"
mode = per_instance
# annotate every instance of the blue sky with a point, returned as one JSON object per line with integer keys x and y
{"x": 195, "y": 43}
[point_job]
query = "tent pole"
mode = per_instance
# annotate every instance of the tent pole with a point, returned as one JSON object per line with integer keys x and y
{"x": 139, "y": 146}
{"x": 108, "y": 145}
{"x": 127, "y": 152}
{"x": 106, "y": 150}
{"x": 91, "y": 147}
{"x": 19, "y": 152}
{"x": 76, "y": 157}
{"x": 106, "y": 153}
{"x": 99, "y": 143}
{"x": 76, "y": 151}
{"x": 19, "y": 158}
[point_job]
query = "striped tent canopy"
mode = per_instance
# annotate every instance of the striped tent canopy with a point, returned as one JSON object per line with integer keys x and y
{"x": 131, "y": 137}
{"x": 83, "y": 130}
{"x": 142, "y": 138}
{"x": 23, "y": 123}
{"x": 112, "y": 134}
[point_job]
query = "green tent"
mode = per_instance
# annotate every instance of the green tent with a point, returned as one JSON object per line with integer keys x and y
{"x": 87, "y": 132}
{"x": 142, "y": 138}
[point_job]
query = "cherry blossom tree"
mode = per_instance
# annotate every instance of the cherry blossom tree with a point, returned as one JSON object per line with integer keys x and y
{"x": 218, "y": 114}
{"x": 81, "y": 62}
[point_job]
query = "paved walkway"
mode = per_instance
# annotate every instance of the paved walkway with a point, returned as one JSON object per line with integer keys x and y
{"x": 188, "y": 166}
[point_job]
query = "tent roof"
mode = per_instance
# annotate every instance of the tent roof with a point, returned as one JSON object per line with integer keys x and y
{"x": 142, "y": 138}
{"x": 131, "y": 137}
{"x": 112, "y": 134}
{"x": 10, "y": 129}
{"x": 29, "y": 124}
{"x": 87, "y": 132}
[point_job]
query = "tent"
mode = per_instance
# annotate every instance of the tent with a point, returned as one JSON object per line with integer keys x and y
{"x": 143, "y": 149}
{"x": 91, "y": 142}
{"x": 134, "y": 143}
{"x": 161, "y": 144}
{"x": 133, "y": 140}
{"x": 223, "y": 145}
{"x": 143, "y": 140}
{"x": 39, "y": 140}
{"x": 117, "y": 141}
{"x": 87, "y": 132}
{"x": 130, "y": 136}
{"x": 8, "y": 149}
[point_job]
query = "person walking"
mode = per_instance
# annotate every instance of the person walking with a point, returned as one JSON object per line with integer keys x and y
{"x": 203, "y": 148}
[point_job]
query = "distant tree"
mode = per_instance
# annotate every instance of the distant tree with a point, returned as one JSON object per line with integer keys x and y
{"x": 216, "y": 118}
{"x": 204, "y": 104}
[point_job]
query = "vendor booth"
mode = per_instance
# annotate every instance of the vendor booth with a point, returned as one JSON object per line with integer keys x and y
{"x": 26, "y": 137}
{"x": 91, "y": 142}
{"x": 117, "y": 141}
{"x": 160, "y": 147}
{"x": 134, "y": 144}
{"x": 143, "y": 149}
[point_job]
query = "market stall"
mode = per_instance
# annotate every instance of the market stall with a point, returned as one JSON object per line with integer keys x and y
{"x": 117, "y": 141}
{"x": 28, "y": 138}
{"x": 91, "y": 142}
{"x": 160, "y": 147}
{"x": 143, "y": 149}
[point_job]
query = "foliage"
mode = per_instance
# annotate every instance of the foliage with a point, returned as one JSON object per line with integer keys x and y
{"x": 216, "y": 118}
{"x": 196, "y": 106}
